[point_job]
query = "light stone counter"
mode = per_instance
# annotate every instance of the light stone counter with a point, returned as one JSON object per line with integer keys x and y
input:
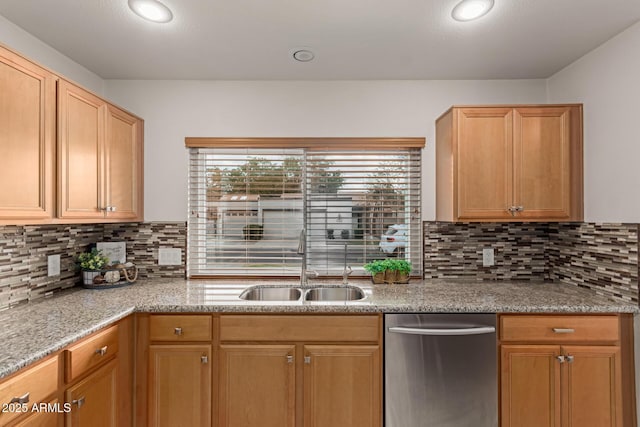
{"x": 32, "y": 331}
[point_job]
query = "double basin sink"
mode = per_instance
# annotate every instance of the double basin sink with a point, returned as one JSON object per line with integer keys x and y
{"x": 316, "y": 293}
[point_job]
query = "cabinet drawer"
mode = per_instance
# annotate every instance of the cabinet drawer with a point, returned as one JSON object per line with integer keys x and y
{"x": 91, "y": 352}
{"x": 33, "y": 385}
{"x": 559, "y": 329}
{"x": 299, "y": 328}
{"x": 180, "y": 327}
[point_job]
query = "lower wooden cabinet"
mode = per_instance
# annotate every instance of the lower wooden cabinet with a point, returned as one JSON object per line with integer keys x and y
{"x": 257, "y": 385}
{"x": 571, "y": 376}
{"x": 342, "y": 385}
{"x": 51, "y": 417}
{"x": 94, "y": 399}
{"x": 304, "y": 370}
{"x": 180, "y": 385}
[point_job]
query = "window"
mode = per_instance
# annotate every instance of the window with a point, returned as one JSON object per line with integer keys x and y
{"x": 248, "y": 207}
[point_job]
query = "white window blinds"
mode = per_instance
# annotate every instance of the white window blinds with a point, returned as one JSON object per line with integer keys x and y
{"x": 247, "y": 208}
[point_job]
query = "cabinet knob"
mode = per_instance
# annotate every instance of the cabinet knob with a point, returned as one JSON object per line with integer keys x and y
{"x": 569, "y": 358}
{"x": 78, "y": 402}
{"x": 102, "y": 350}
{"x": 177, "y": 331}
{"x": 560, "y": 358}
{"x": 204, "y": 359}
{"x": 289, "y": 359}
{"x": 21, "y": 399}
{"x": 307, "y": 360}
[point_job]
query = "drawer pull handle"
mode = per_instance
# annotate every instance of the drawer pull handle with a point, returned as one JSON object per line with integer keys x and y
{"x": 563, "y": 330}
{"x": 78, "y": 402}
{"x": 102, "y": 350}
{"x": 22, "y": 399}
{"x": 177, "y": 331}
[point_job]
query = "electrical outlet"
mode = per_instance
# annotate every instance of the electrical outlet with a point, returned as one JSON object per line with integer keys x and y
{"x": 169, "y": 256}
{"x": 488, "y": 258}
{"x": 53, "y": 265}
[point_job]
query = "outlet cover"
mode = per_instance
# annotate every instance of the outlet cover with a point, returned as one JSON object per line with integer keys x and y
{"x": 169, "y": 256}
{"x": 488, "y": 258}
{"x": 53, "y": 265}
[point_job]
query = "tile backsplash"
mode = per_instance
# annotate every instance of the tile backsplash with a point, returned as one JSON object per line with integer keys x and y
{"x": 453, "y": 250}
{"x": 600, "y": 257}
{"x": 24, "y": 251}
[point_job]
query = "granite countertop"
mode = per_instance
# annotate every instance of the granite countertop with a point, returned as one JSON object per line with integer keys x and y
{"x": 34, "y": 330}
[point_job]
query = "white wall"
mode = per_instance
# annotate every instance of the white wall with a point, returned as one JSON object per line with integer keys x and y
{"x": 174, "y": 110}
{"x": 35, "y": 49}
{"x": 607, "y": 81}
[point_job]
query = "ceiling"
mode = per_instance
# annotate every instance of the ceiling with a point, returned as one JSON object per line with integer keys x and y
{"x": 352, "y": 39}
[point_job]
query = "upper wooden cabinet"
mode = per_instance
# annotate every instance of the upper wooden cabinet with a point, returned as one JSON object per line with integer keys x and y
{"x": 27, "y": 139}
{"x": 99, "y": 158}
{"x": 98, "y": 175}
{"x": 509, "y": 163}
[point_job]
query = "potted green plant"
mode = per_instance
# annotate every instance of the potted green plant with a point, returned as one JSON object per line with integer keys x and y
{"x": 91, "y": 263}
{"x": 389, "y": 270}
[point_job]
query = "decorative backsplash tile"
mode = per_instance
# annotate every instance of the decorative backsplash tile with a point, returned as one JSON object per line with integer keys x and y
{"x": 143, "y": 241}
{"x": 24, "y": 251}
{"x": 600, "y": 257}
{"x": 454, "y": 250}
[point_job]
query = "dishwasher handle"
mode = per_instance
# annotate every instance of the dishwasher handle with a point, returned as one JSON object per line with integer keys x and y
{"x": 475, "y": 330}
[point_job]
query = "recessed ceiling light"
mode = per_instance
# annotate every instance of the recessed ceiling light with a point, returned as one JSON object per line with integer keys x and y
{"x": 151, "y": 10}
{"x": 303, "y": 55}
{"x": 468, "y": 10}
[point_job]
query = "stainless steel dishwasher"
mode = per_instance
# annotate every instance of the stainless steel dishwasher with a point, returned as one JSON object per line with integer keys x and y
{"x": 440, "y": 370}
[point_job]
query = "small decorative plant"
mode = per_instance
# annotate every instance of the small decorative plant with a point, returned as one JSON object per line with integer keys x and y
{"x": 92, "y": 261}
{"x": 389, "y": 270}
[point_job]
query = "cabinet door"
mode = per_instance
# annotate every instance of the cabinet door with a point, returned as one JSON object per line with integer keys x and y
{"x": 123, "y": 165}
{"x": 27, "y": 132}
{"x": 257, "y": 386}
{"x": 542, "y": 162}
{"x": 49, "y": 417}
{"x": 530, "y": 386}
{"x": 592, "y": 395}
{"x": 484, "y": 156}
{"x": 180, "y": 385}
{"x": 94, "y": 399}
{"x": 342, "y": 386}
{"x": 80, "y": 146}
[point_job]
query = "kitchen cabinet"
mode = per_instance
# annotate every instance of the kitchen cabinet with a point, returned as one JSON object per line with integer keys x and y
{"x": 100, "y": 158}
{"x": 18, "y": 393}
{"x": 509, "y": 163}
{"x": 98, "y": 376}
{"x": 342, "y": 385}
{"x": 27, "y": 140}
{"x": 69, "y": 155}
{"x": 180, "y": 385}
{"x": 312, "y": 370}
{"x": 94, "y": 399}
{"x": 179, "y": 369}
{"x": 563, "y": 371}
{"x": 257, "y": 385}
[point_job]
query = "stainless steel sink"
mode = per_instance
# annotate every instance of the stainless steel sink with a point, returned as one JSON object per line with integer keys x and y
{"x": 271, "y": 293}
{"x": 342, "y": 293}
